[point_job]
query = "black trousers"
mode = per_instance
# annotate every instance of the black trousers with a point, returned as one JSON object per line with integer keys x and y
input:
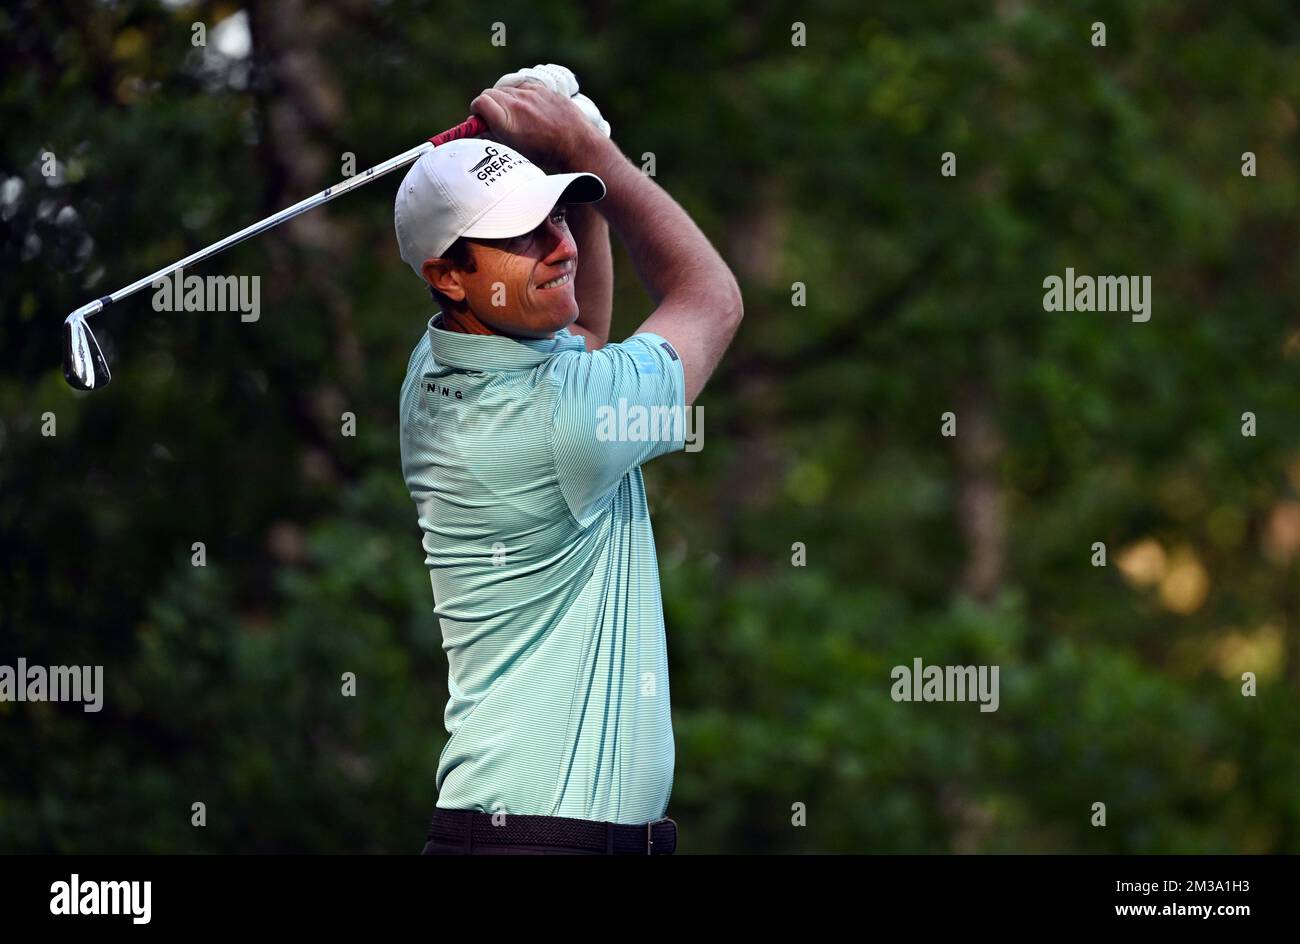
{"x": 469, "y": 832}
{"x": 436, "y": 847}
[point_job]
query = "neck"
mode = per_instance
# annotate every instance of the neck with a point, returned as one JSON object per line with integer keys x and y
{"x": 466, "y": 322}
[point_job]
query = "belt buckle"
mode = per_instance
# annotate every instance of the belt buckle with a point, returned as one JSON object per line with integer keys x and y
{"x": 650, "y": 833}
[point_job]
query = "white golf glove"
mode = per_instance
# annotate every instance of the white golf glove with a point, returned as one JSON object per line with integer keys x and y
{"x": 562, "y": 80}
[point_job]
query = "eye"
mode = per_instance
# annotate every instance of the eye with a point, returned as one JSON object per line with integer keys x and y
{"x": 557, "y": 216}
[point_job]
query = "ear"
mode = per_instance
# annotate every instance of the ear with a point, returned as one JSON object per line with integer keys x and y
{"x": 443, "y": 275}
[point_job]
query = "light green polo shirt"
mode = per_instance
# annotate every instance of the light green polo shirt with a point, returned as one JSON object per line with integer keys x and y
{"x": 523, "y": 460}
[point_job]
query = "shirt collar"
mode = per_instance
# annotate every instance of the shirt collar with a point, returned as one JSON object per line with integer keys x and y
{"x": 495, "y": 351}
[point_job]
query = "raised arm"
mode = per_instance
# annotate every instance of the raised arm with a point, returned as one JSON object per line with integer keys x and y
{"x": 594, "y": 285}
{"x": 699, "y": 306}
{"x": 698, "y": 301}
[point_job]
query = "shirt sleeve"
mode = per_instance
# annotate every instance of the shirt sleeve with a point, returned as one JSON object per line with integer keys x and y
{"x": 616, "y": 408}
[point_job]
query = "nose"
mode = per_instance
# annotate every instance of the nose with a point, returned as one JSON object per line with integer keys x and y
{"x": 560, "y": 243}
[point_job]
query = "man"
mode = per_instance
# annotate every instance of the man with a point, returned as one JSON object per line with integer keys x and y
{"x": 535, "y": 525}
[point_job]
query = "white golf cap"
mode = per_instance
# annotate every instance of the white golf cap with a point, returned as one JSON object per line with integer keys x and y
{"x": 478, "y": 188}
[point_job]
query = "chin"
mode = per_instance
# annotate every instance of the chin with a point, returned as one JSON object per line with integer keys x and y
{"x": 548, "y": 323}
{"x": 536, "y": 324}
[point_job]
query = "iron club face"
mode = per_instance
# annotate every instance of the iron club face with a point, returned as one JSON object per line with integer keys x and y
{"x": 84, "y": 366}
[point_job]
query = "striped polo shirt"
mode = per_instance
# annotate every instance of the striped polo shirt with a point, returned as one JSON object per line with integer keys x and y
{"x": 522, "y": 457}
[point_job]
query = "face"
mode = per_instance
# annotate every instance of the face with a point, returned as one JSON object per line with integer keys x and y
{"x": 513, "y": 290}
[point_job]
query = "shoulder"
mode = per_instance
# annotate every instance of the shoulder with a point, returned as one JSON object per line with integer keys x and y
{"x": 640, "y": 356}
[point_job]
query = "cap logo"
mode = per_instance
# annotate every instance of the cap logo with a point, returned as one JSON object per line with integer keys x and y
{"x": 489, "y": 153}
{"x": 496, "y": 165}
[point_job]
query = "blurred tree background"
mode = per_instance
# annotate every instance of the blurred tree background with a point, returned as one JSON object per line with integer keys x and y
{"x": 817, "y": 164}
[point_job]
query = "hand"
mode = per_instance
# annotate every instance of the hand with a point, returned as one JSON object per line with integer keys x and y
{"x": 559, "y": 79}
{"x": 543, "y": 125}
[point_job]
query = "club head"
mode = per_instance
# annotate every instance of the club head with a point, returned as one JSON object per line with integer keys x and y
{"x": 84, "y": 366}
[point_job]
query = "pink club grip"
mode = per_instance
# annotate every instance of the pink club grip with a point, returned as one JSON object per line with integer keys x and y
{"x": 471, "y": 127}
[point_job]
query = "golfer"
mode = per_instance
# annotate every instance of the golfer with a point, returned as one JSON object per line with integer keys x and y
{"x": 531, "y": 502}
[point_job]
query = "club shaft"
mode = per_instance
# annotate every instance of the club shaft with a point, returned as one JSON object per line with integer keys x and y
{"x": 469, "y": 128}
{"x": 275, "y": 219}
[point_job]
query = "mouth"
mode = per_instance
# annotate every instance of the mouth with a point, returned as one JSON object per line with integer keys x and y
{"x": 562, "y": 280}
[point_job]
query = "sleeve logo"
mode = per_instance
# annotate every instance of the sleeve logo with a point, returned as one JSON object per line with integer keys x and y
{"x": 645, "y": 362}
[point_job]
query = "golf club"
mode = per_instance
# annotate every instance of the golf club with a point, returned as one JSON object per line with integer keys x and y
{"x": 84, "y": 365}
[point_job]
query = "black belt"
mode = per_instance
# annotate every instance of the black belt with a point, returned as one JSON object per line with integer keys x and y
{"x": 471, "y": 828}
